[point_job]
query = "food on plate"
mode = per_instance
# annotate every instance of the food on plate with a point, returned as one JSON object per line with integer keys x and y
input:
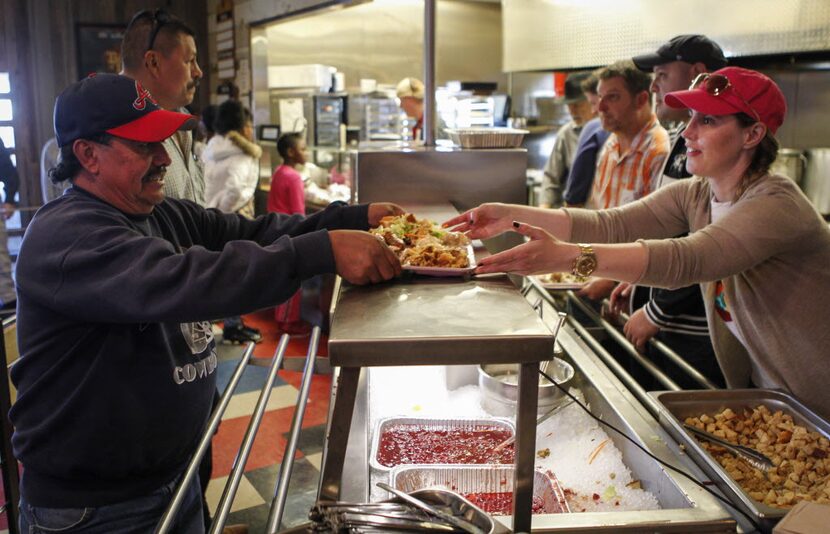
{"x": 801, "y": 456}
{"x": 422, "y": 243}
{"x": 416, "y": 444}
{"x": 560, "y": 278}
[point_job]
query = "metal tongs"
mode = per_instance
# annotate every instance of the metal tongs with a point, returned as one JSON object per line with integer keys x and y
{"x": 752, "y": 457}
{"x": 457, "y": 522}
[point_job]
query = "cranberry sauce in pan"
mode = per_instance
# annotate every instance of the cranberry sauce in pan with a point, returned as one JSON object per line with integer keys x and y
{"x": 415, "y": 444}
{"x": 501, "y": 503}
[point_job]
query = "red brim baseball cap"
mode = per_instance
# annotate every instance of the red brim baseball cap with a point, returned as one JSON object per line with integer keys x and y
{"x": 750, "y": 92}
{"x": 155, "y": 126}
{"x": 114, "y": 104}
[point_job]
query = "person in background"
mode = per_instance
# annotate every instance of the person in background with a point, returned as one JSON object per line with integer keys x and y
{"x": 677, "y": 317}
{"x": 231, "y": 161}
{"x": 755, "y": 243}
{"x": 564, "y": 148}
{"x": 48, "y": 159}
{"x": 204, "y": 132}
{"x": 410, "y": 92}
{"x": 10, "y": 181}
{"x": 580, "y": 178}
{"x": 117, "y": 367}
{"x": 159, "y": 51}
{"x": 631, "y": 160}
{"x": 287, "y": 196}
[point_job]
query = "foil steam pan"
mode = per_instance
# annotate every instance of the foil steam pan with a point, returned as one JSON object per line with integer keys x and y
{"x": 465, "y": 479}
{"x": 431, "y": 423}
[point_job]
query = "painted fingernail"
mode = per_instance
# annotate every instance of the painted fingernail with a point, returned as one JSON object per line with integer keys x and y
{"x": 516, "y": 224}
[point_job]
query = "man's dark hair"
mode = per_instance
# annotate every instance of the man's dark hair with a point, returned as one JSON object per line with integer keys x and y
{"x": 231, "y": 116}
{"x": 159, "y": 26}
{"x": 635, "y": 79}
{"x": 68, "y": 165}
{"x": 286, "y": 142}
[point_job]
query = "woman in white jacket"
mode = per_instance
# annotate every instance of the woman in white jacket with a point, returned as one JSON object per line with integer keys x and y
{"x": 231, "y": 175}
{"x": 232, "y": 161}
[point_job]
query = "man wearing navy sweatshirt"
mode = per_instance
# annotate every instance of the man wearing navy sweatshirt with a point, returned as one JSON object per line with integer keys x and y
{"x": 116, "y": 285}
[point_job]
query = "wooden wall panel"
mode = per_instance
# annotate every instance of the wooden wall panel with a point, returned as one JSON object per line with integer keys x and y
{"x": 38, "y": 44}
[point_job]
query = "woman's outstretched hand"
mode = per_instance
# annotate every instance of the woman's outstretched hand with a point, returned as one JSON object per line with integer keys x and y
{"x": 542, "y": 254}
{"x": 485, "y": 221}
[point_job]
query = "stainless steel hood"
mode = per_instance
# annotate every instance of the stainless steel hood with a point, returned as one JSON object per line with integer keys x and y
{"x": 565, "y": 34}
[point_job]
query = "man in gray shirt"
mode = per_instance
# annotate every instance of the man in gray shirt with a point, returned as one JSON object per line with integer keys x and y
{"x": 567, "y": 138}
{"x": 159, "y": 51}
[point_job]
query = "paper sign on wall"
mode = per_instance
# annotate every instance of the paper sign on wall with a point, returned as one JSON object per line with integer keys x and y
{"x": 292, "y": 118}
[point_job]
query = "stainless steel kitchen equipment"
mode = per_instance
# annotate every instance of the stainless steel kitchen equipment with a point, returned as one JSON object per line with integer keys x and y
{"x": 791, "y": 163}
{"x": 497, "y": 382}
{"x": 676, "y": 406}
{"x": 817, "y": 179}
{"x": 436, "y": 322}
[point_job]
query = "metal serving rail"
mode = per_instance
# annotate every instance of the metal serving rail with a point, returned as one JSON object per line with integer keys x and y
{"x": 287, "y": 465}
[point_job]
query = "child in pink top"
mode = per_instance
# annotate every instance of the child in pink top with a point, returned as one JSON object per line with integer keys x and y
{"x": 287, "y": 196}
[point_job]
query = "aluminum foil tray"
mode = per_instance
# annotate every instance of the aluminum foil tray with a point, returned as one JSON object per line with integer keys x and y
{"x": 676, "y": 406}
{"x": 487, "y": 137}
{"x": 459, "y": 506}
{"x": 431, "y": 423}
{"x": 489, "y": 478}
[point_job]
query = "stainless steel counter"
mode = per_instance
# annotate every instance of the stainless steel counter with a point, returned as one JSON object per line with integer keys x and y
{"x": 420, "y": 320}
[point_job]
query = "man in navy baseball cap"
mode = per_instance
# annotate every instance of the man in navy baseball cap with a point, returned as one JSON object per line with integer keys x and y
{"x": 116, "y": 287}
{"x": 110, "y": 132}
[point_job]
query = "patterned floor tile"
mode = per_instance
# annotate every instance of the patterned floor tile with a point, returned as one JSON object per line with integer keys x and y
{"x": 243, "y": 404}
{"x": 315, "y": 459}
{"x": 246, "y": 497}
{"x": 302, "y": 489}
{"x": 253, "y": 378}
{"x": 311, "y": 439}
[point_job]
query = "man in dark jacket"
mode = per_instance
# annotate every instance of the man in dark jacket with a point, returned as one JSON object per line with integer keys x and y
{"x": 117, "y": 367}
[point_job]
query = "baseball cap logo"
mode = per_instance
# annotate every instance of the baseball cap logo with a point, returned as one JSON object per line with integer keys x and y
{"x": 142, "y": 96}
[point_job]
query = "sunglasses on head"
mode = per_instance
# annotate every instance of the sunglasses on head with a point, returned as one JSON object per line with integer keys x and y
{"x": 716, "y": 84}
{"x": 160, "y": 19}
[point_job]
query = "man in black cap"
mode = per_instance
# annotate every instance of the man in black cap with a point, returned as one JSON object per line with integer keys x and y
{"x": 118, "y": 366}
{"x": 564, "y": 148}
{"x": 677, "y": 317}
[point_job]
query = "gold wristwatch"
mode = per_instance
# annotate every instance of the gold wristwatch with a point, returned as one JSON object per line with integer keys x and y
{"x": 585, "y": 263}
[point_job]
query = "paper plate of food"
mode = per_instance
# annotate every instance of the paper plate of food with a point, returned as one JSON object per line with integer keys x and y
{"x": 424, "y": 247}
{"x": 561, "y": 281}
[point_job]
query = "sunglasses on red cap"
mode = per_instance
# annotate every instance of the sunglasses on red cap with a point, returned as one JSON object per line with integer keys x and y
{"x": 716, "y": 84}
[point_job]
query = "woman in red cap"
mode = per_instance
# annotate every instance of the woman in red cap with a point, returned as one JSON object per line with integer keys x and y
{"x": 759, "y": 249}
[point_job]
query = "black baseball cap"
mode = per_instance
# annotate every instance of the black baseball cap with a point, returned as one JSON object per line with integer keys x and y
{"x": 117, "y": 105}
{"x": 688, "y": 48}
{"x": 573, "y": 88}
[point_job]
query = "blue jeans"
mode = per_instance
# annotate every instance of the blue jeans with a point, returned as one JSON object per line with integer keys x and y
{"x": 137, "y": 516}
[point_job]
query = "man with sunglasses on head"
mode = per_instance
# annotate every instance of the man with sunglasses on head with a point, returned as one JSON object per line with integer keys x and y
{"x": 159, "y": 50}
{"x": 118, "y": 365}
{"x": 677, "y": 317}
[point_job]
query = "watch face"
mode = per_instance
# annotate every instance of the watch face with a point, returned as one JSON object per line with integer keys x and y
{"x": 586, "y": 265}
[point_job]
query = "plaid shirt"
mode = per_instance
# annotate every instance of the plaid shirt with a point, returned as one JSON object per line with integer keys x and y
{"x": 623, "y": 178}
{"x": 185, "y": 175}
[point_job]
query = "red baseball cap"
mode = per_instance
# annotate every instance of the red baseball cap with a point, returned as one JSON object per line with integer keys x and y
{"x": 117, "y": 105}
{"x": 748, "y": 92}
